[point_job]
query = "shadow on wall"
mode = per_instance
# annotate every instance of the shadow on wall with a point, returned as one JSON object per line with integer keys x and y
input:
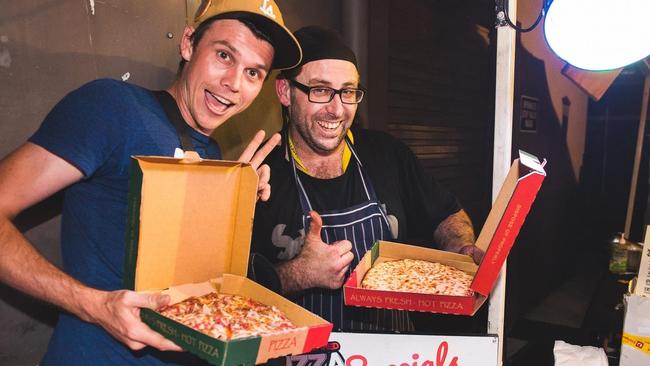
{"x": 42, "y": 8}
{"x": 609, "y": 155}
{"x": 551, "y": 240}
{"x": 32, "y": 84}
{"x": 35, "y": 81}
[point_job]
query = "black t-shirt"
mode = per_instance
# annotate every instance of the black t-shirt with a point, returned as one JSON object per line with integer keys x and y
{"x": 415, "y": 203}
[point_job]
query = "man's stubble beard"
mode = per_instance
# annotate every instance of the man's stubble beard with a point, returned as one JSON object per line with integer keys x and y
{"x": 312, "y": 143}
{"x": 303, "y": 130}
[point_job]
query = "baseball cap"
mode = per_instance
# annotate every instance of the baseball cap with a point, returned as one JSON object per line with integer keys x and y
{"x": 266, "y": 16}
{"x": 320, "y": 43}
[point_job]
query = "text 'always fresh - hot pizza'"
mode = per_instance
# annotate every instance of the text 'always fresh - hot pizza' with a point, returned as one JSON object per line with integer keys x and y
{"x": 227, "y": 317}
{"x": 414, "y": 275}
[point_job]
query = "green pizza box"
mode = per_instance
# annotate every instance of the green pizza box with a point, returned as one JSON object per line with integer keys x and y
{"x": 188, "y": 233}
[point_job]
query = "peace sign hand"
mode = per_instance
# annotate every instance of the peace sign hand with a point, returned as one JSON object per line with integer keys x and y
{"x": 255, "y": 155}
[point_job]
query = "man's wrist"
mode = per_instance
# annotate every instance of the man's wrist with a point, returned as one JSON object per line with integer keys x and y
{"x": 473, "y": 251}
{"x": 293, "y": 275}
{"x": 288, "y": 277}
{"x": 466, "y": 249}
{"x": 89, "y": 302}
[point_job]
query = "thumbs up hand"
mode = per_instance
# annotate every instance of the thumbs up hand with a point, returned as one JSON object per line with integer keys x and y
{"x": 324, "y": 265}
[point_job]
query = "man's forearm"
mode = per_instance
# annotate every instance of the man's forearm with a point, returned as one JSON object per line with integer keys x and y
{"x": 22, "y": 267}
{"x": 455, "y": 232}
{"x": 292, "y": 276}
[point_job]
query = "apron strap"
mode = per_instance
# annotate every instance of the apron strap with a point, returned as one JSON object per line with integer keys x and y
{"x": 365, "y": 180}
{"x": 367, "y": 184}
{"x": 302, "y": 193}
{"x": 173, "y": 114}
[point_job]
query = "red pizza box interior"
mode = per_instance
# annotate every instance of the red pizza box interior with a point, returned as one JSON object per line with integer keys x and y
{"x": 496, "y": 238}
{"x": 189, "y": 231}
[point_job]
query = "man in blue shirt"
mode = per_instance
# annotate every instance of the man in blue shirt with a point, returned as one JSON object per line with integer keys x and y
{"x": 84, "y": 147}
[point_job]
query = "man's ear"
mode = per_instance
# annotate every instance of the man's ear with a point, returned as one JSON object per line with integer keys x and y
{"x": 283, "y": 91}
{"x": 186, "y": 43}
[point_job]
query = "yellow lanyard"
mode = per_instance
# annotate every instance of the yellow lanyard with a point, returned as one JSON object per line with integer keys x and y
{"x": 345, "y": 160}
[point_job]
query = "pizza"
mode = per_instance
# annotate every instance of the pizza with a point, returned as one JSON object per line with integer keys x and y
{"x": 226, "y": 317}
{"x": 414, "y": 275}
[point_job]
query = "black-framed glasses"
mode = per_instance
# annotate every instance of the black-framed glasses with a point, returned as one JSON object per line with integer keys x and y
{"x": 323, "y": 94}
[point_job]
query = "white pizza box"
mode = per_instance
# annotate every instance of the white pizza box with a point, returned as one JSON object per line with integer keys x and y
{"x": 496, "y": 238}
{"x": 188, "y": 234}
{"x": 635, "y": 342}
{"x": 643, "y": 282}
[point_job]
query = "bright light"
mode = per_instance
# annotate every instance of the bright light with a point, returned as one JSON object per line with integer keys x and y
{"x": 599, "y": 34}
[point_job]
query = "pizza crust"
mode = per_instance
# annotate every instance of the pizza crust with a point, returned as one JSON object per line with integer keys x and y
{"x": 414, "y": 275}
{"x": 227, "y": 317}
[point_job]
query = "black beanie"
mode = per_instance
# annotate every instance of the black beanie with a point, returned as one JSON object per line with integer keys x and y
{"x": 319, "y": 43}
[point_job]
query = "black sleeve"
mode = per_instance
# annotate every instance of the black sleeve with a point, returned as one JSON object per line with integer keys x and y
{"x": 416, "y": 198}
{"x": 263, "y": 221}
{"x": 427, "y": 202}
{"x": 262, "y": 254}
{"x": 277, "y": 223}
{"x": 277, "y": 230}
{"x": 262, "y": 271}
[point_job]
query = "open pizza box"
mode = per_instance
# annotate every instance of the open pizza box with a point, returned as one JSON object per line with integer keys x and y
{"x": 496, "y": 238}
{"x": 635, "y": 341}
{"x": 188, "y": 234}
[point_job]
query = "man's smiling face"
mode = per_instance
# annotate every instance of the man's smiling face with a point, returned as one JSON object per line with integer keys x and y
{"x": 322, "y": 126}
{"x": 224, "y": 73}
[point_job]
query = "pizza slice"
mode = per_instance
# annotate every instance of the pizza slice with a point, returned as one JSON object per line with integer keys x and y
{"x": 414, "y": 275}
{"x": 227, "y": 317}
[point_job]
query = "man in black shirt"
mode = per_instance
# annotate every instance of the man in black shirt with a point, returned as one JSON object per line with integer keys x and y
{"x": 338, "y": 188}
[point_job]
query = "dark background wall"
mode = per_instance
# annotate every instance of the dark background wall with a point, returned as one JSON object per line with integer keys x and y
{"x": 611, "y": 143}
{"x": 430, "y": 75}
{"x": 550, "y": 240}
{"x": 438, "y": 73}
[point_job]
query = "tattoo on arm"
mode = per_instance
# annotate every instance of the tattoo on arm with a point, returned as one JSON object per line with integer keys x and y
{"x": 455, "y": 232}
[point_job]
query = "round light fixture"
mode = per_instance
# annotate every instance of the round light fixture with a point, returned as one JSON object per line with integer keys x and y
{"x": 599, "y": 34}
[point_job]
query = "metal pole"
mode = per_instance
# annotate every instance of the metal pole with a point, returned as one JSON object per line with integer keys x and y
{"x": 503, "y": 116}
{"x": 637, "y": 155}
{"x": 355, "y": 30}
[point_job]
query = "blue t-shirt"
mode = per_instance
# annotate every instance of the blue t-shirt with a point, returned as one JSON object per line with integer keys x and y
{"x": 97, "y": 128}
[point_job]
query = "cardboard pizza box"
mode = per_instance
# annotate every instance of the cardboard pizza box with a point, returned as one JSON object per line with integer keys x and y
{"x": 188, "y": 234}
{"x": 643, "y": 283}
{"x": 635, "y": 340}
{"x": 496, "y": 238}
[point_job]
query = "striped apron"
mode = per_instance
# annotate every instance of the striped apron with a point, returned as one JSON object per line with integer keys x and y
{"x": 362, "y": 225}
